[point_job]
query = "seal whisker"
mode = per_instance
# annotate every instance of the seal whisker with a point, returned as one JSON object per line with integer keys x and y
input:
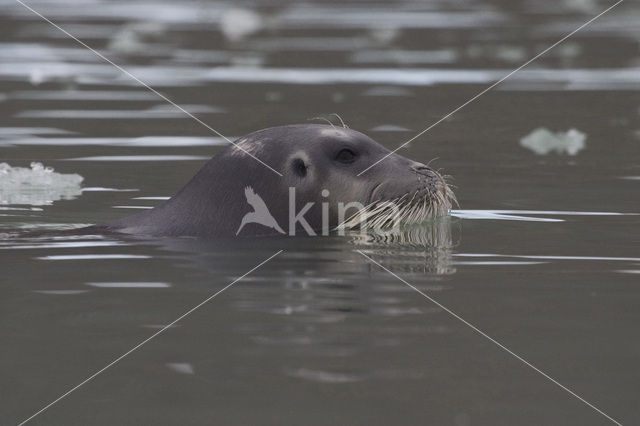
{"x": 410, "y": 208}
{"x": 432, "y": 160}
{"x": 344, "y": 126}
{"x": 322, "y": 118}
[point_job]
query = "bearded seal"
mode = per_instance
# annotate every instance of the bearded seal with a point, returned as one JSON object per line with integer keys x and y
{"x": 321, "y": 187}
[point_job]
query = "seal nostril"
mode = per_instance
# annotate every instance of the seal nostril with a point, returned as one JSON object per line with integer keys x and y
{"x": 422, "y": 169}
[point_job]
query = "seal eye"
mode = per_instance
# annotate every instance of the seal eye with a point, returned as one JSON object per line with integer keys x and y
{"x": 346, "y": 156}
{"x": 299, "y": 167}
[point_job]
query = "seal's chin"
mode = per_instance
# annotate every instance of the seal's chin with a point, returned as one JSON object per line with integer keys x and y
{"x": 416, "y": 206}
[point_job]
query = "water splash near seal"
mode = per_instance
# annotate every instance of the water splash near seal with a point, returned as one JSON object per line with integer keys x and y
{"x": 37, "y": 185}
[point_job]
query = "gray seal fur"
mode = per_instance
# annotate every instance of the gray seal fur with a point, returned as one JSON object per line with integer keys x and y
{"x": 311, "y": 158}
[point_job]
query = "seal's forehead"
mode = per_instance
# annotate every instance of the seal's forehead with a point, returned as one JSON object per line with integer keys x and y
{"x": 337, "y": 133}
{"x": 247, "y": 145}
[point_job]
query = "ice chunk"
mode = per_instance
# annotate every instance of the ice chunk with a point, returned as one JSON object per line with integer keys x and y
{"x": 324, "y": 376}
{"x": 238, "y": 24}
{"x": 136, "y": 38}
{"x": 37, "y": 185}
{"x": 542, "y": 141}
{"x": 130, "y": 285}
{"x": 181, "y": 367}
{"x": 388, "y": 128}
{"x": 583, "y": 6}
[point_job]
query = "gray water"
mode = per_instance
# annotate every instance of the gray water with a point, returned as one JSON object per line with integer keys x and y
{"x": 542, "y": 254}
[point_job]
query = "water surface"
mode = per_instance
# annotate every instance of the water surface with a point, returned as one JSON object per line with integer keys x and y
{"x": 542, "y": 254}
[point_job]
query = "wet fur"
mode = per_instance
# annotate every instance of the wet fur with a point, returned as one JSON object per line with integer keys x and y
{"x": 213, "y": 202}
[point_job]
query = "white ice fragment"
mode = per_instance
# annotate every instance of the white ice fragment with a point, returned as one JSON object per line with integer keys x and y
{"x": 61, "y": 292}
{"x": 138, "y": 284}
{"x": 136, "y": 37}
{"x": 36, "y": 77}
{"x": 324, "y": 376}
{"x": 583, "y": 6}
{"x": 138, "y": 158}
{"x": 387, "y": 91}
{"x": 384, "y": 35}
{"x": 388, "y": 128}
{"x": 101, "y": 189}
{"x": 37, "y": 185}
{"x": 93, "y": 256}
{"x": 629, "y": 271}
{"x": 181, "y": 367}
{"x": 237, "y": 24}
{"x": 542, "y": 141}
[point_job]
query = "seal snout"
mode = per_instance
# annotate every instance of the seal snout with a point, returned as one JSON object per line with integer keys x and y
{"x": 429, "y": 178}
{"x": 421, "y": 168}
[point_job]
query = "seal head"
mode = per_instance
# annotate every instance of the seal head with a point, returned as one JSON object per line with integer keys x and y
{"x": 322, "y": 187}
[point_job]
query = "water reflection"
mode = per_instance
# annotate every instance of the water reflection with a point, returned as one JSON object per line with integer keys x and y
{"x": 425, "y": 248}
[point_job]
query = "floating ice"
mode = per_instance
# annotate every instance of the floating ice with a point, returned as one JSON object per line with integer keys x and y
{"x": 129, "y": 285}
{"x": 324, "y": 376}
{"x": 140, "y": 158}
{"x": 388, "y": 128}
{"x": 137, "y": 37}
{"x": 387, "y": 91}
{"x": 180, "y": 75}
{"x": 147, "y": 141}
{"x": 501, "y": 52}
{"x": 155, "y": 112}
{"x": 30, "y": 131}
{"x": 38, "y": 185}
{"x": 308, "y": 16}
{"x": 93, "y": 256}
{"x": 584, "y": 6}
{"x": 405, "y": 57}
{"x": 181, "y": 367}
{"x": 101, "y": 189}
{"x": 384, "y": 35}
{"x": 63, "y": 244}
{"x": 85, "y": 95}
{"x": 494, "y": 263}
{"x": 306, "y": 44}
{"x": 542, "y": 141}
{"x": 238, "y": 24}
